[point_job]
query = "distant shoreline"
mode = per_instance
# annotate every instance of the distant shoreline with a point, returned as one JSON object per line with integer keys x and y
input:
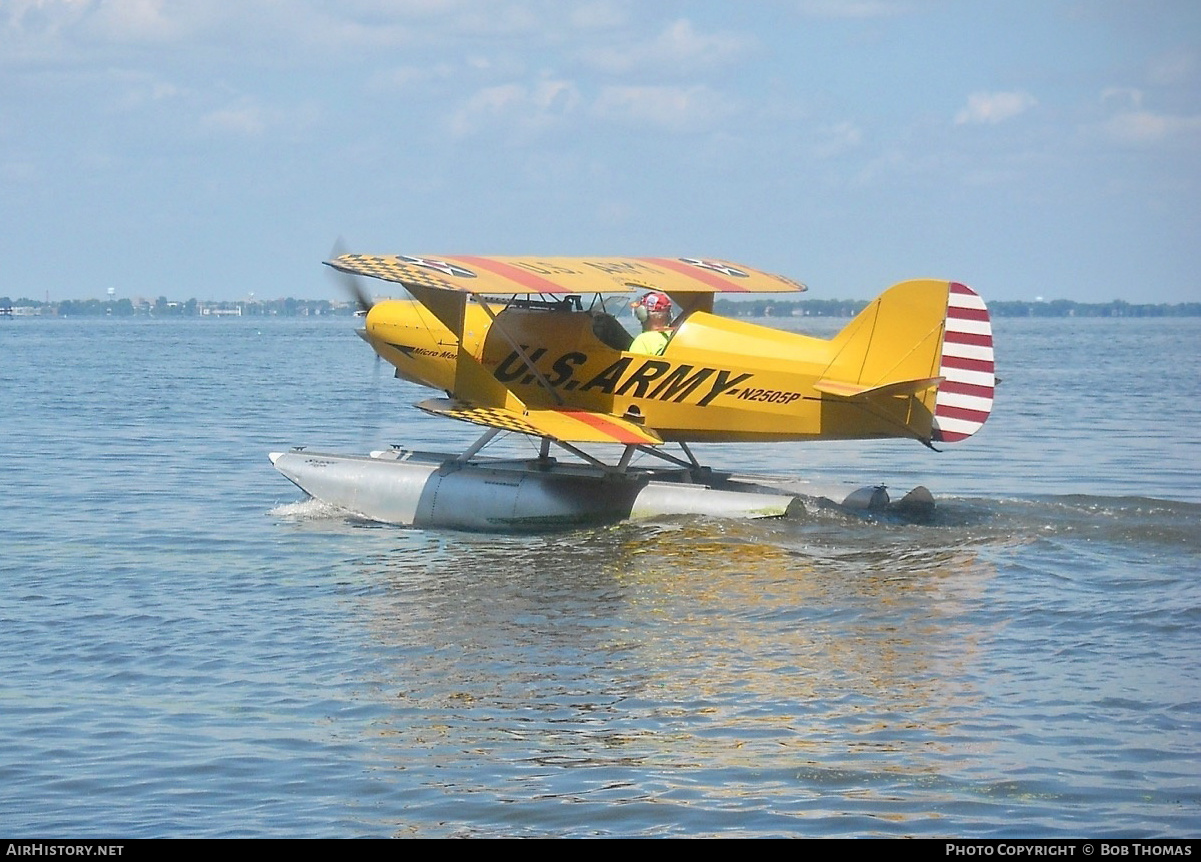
{"x": 997, "y": 308}
{"x": 770, "y": 307}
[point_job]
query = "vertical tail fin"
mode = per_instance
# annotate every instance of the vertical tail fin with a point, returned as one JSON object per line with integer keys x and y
{"x": 921, "y": 353}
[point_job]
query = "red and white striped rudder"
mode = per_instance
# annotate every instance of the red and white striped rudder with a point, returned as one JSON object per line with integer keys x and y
{"x": 965, "y": 396}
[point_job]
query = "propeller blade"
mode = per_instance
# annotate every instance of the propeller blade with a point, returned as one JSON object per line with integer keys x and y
{"x": 351, "y": 284}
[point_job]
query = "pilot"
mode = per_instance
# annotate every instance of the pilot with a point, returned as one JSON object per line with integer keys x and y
{"x": 654, "y": 313}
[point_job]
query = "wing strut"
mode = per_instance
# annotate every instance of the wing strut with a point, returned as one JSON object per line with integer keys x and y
{"x": 525, "y": 357}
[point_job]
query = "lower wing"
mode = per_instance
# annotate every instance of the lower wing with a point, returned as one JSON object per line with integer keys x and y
{"x": 569, "y": 426}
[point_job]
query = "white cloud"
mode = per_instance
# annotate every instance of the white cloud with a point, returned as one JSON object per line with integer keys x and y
{"x": 677, "y": 109}
{"x": 680, "y": 42}
{"x": 891, "y": 163}
{"x": 679, "y": 46}
{"x": 1133, "y": 124}
{"x": 69, "y": 26}
{"x": 1145, "y": 127}
{"x": 1130, "y": 96}
{"x": 137, "y": 20}
{"x": 836, "y": 139}
{"x": 598, "y": 15}
{"x": 549, "y": 103}
{"x": 244, "y": 118}
{"x": 993, "y": 108}
{"x": 42, "y": 15}
{"x": 851, "y": 8}
{"x": 34, "y": 29}
{"x": 133, "y": 90}
{"x": 521, "y": 108}
{"x": 400, "y": 79}
{"x": 110, "y": 20}
{"x": 1173, "y": 67}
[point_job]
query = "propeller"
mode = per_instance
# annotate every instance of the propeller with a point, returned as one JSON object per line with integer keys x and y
{"x": 351, "y": 284}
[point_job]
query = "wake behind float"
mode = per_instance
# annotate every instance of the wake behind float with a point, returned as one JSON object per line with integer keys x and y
{"x": 425, "y": 489}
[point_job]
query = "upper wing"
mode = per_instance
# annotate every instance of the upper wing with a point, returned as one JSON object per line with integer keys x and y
{"x": 511, "y": 275}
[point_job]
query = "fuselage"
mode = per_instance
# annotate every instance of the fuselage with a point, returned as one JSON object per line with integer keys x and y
{"x": 718, "y": 379}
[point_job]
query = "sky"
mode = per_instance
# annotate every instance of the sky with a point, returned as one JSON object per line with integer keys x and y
{"x": 213, "y": 150}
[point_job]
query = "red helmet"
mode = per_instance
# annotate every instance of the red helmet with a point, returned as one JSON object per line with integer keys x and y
{"x": 655, "y": 301}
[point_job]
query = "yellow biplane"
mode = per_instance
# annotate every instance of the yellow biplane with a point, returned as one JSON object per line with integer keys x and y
{"x": 515, "y": 347}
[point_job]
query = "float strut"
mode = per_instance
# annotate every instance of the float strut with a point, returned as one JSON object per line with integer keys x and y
{"x": 479, "y": 444}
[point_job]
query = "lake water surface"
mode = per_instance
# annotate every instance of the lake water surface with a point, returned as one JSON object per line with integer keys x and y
{"x": 191, "y": 648}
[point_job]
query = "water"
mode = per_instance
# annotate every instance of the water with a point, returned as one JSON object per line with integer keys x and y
{"x": 189, "y": 648}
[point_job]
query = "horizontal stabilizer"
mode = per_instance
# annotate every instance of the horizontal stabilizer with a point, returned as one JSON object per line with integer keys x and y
{"x": 858, "y": 391}
{"x": 569, "y": 426}
{"x": 926, "y": 341}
